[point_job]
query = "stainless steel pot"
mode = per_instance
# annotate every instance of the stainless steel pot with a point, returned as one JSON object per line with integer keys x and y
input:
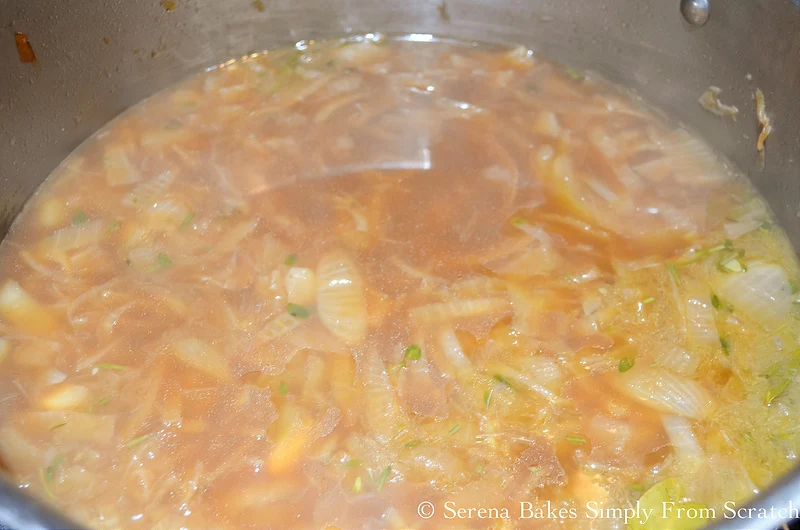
{"x": 96, "y": 59}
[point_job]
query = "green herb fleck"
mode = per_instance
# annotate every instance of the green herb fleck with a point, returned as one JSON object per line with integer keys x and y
{"x": 455, "y": 429}
{"x": 673, "y": 272}
{"x": 571, "y": 278}
{"x": 518, "y": 221}
{"x": 785, "y": 374}
{"x": 412, "y": 444}
{"x": 500, "y": 379}
{"x": 163, "y": 261}
{"x": 383, "y": 478}
{"x": 290, "y": 260}
{"x": 766, "y": 225}
{"x": 487, "y": 397}
{"x": 352, "y": 463}
{"x": 716, "y": 303}
{"x": 114, "y": 227}
{"x": 54, "y": 427}
{"x": 187, "y": 221}
{"x": 479, "y": 469}
{"x": 79, "y": 218}
{"x": 636, "y": 487}
{"x": 413, "y": 353}
{"x": 136, "y": 441}
{"x": 105, "y": 401}
{"x": 793, "y": 286}
{"x": 283, "y": 388}
{"x": 110, "y": 366}
{"x": 576, "y": 440}
{"x": 648, "y": 300}
{"x": 626, "y": 363}
{"x": 726, "y": 345}
{"x": 575, "y": 75}
{"x": 297, "y": 311}
{"x": 357, "y": 485}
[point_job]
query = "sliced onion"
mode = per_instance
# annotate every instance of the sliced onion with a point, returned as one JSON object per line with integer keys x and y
{"x": 301, "y": 285}
{"x": 74, "y": 426}
{"x": 682, "y": 438}
{"x": 24, "y": 311}
{"x": 276, "y": 328}
{"x": 340, "y": 298}
{"x": 63, "y": 396}
{"x": 381, "y": 404}
{"x": 666, "y": 392}
{"x": 72, "y": 238}
{"x": 740, "y": 228}
{"x": 763, "y": 293}
{"x": 446, "y": 311}
{"x": 202, "y": 356}
{"x": 149, "y": 192}
{"x": 118, "y": 168}
{"x": 677, "y": 359}
{"x": 701, "y": 327}
{"x": 452, "y": 349}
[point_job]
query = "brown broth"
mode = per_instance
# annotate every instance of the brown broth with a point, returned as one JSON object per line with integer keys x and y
{"x": 318, "y": 286}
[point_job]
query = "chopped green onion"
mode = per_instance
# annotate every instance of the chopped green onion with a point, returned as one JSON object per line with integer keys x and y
{"x": 455, "y": 429}
{"x": 794, "y": 287}
{"x": 518, "y": 221}
{"x": 626, "y": 363}
{"x": 383, "y": 478}
{"x": 726, "y": 346}
{"x": 290, "y": 260}
{"x": 576, "y": 440}
{"x": 715, "y": 301}
{"x": 413, "y": 353}
{"x": 54, "y": 427}
{"x": 136, "y": 441}
{"x": 114, "y": 227}
{"x": 636, "y": 487}
{"x": 575, "y": 75}
{"x": 357, "y": 485}
{"x": 648, "y": 300}
{"x": 487, "y": 397}
{"x": 352, "y": 463}
{"x": 79, "y": 218}
{"x": 766, "y": 225}
{"x": 283, "y": 388}
{"x": 413, "y": 443}
{"x": 187, "y": 221}
{"x": 479, "y": 469}
{"x": 786, "y": 373}
{"x": 163, "y": 260}
{"x": 673, "y": 272}
{"x": 297, "y": 311}
{"x": 500, "y": 379}
{"x": 110, "y": 366}
{"x": 104, "y": 401}
{"x": 732, "y": 265}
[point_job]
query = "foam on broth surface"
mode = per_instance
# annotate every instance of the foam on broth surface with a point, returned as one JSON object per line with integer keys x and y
{"x": 317, "y": 287}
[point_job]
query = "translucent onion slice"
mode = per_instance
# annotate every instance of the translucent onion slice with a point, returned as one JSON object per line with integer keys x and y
{"x": 202, "y": 356}
{"x": 445, "y": 311}
{"x": 149, "y": 192}
{"x": 740, "y": 228}
{"x": 301, "y": 285}
{"x": 677, "y": 359}
{"x": 340, "y": 298}
{"x": 666, "y": 392}
{"x": 701, "y": 327}
{"x": 72, "y": 238}
{"x": 24, "y": 311}
{"x": 763, "y": 293}
{"x": 682, "y": 437}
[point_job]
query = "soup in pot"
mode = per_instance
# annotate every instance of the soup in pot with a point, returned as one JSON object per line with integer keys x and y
{"x": 389, "y": 284}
